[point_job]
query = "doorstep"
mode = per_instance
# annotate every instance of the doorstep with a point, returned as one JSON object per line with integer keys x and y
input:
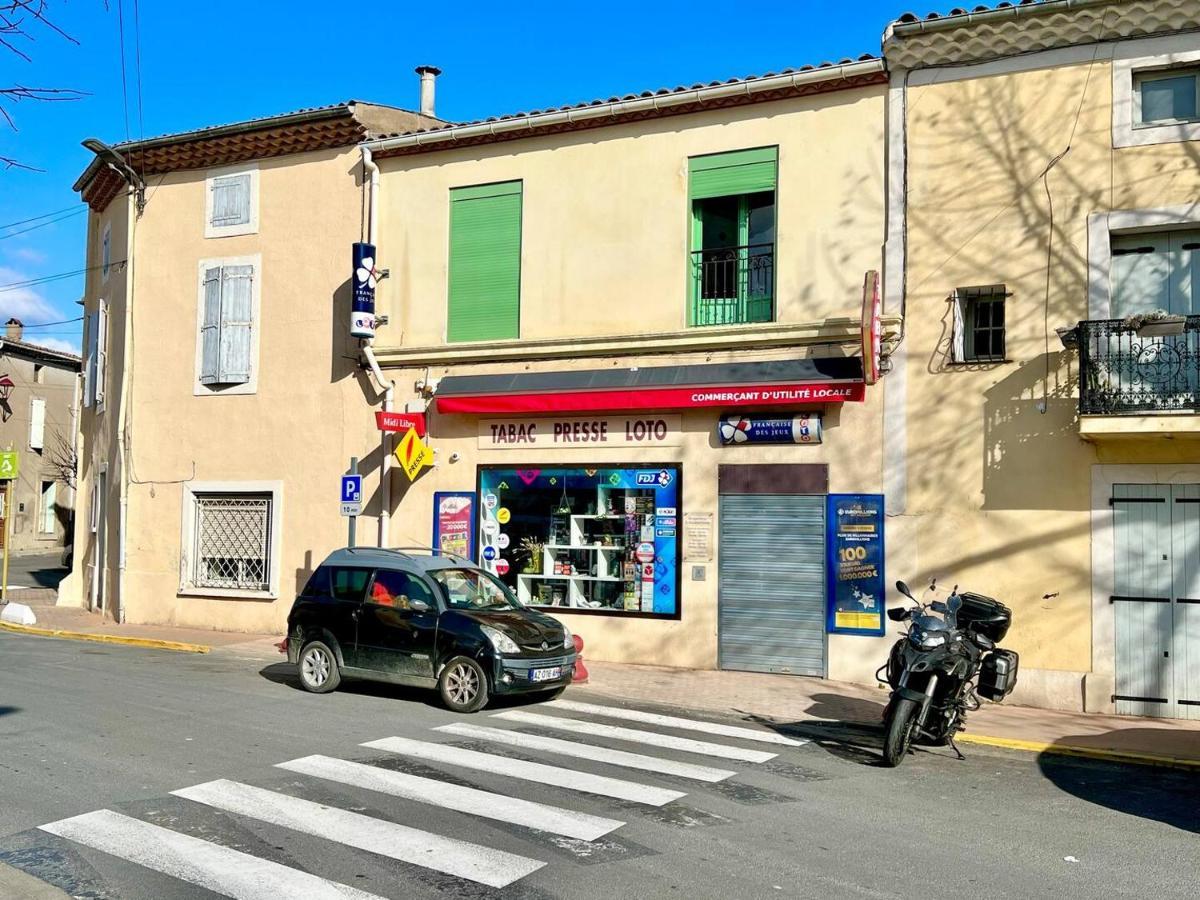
{"x": 815, "y": 701}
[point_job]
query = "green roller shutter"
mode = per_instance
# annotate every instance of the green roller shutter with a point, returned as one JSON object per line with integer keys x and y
{"x": 727, "y": 174}
{"x": 485, "y": 262}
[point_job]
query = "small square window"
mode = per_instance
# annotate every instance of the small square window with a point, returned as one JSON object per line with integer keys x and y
{"x": 231, "y": 202}
{"x": 979, "y": 324}
{"x": 1168, "y": 96}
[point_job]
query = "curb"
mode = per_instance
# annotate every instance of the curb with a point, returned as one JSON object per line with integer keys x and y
{"x": 149, "y": 643}
{"x": 1122, "y": 756}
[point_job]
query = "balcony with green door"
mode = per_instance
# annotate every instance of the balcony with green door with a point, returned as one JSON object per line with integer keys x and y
{"x": 732, "y": 259}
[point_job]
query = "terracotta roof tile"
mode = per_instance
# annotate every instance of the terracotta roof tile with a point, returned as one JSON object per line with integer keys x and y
{"x": 911, "y": 18}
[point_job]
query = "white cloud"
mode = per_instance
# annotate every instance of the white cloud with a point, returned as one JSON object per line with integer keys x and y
{"x": 28, "y": 254}
{"x": 53, "y": 343}
{"x": 23, "y": 302}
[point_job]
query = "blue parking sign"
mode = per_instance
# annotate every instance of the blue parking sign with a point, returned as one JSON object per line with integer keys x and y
{"x": 351, "y": 488}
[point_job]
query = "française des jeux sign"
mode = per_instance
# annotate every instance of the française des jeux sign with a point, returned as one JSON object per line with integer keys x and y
{"x": 583, "y": 432}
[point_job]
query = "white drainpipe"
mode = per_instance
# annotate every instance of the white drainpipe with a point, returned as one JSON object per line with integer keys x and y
{"x": 368, "y": 352}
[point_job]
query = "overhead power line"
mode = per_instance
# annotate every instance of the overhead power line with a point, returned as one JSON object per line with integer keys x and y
{"x": 42, "y": 216}
{"x": 45, "y": 279}
{"x": 74, "y": 212}
{"x": 48, "y": 324}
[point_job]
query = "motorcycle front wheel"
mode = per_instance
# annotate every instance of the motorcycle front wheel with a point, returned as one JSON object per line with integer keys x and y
{"x": 899, "y": 728}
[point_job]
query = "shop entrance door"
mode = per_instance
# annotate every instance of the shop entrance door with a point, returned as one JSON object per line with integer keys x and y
{"x": 1156, "y": 599}
{"x": 771, "y": 582}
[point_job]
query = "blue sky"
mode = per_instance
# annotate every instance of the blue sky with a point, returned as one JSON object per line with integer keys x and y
{"x": 224, "y": 61}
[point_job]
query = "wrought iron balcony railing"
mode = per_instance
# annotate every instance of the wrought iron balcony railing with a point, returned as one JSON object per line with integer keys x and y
{"x": 733, "y": 285}
{"x": 1127, "y": 368}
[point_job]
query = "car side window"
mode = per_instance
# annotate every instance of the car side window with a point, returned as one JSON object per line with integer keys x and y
{"x": 318, "y": 583}
{"x": 349, "y": 584}
{"x": 399, "y": 589}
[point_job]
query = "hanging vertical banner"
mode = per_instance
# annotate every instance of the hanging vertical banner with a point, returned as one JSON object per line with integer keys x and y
{"x": 362, "y": 281}
{"x": 454, "y": 523}
{"x": 854, "y": 540}
{"x": 872, "y": 327}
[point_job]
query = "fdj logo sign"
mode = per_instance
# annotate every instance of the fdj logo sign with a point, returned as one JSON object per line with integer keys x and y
{"x": 661, "y": 479}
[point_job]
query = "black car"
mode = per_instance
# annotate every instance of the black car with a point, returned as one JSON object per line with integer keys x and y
{"x": 425, "y": 620}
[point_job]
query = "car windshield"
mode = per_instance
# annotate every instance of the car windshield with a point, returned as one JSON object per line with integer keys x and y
{"x": 474, "y": 589}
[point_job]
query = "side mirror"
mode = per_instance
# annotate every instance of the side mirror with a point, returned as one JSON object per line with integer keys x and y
{"x": 898, "y": 613}
{"x": 955, "y": 603}
{"x": 903, "y": 588}
{"x": 939, "y": 606}
{"x": 418, "y": 605}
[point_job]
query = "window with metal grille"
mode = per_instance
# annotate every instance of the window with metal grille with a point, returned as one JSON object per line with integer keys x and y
{"x": 233, "y": 542}
{"x": 979, "y": 331}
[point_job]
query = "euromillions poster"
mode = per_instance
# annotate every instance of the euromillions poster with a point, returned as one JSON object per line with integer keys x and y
{"x": 454, "y": 523}
{"x": 854, "y": 525}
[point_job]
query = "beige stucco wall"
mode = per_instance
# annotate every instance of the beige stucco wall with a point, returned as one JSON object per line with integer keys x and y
{"x": 606, "y": 219}
{"x": 998, "y": 477}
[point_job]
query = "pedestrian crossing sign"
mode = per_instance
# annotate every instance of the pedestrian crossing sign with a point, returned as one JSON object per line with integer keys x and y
{"x": 10, "y": 464}
{"x": 413, "y": 454}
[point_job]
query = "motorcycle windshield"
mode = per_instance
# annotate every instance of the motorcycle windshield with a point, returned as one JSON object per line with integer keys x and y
{"x": 930, "y": 623}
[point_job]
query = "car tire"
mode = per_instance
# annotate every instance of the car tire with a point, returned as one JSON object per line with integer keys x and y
{"x": 463, "y": 685}
{"x": 318, "y": 665}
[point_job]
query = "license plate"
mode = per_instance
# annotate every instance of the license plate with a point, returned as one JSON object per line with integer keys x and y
{"x": 546, "y": 674}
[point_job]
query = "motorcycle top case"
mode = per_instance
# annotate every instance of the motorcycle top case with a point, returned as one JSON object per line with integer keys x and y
{"x": 986, "y": 616}
{"x": 997, "y": 675}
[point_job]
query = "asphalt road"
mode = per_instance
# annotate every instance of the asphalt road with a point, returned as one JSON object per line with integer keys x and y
{"x": 35, "y": 570}
{"x": 85, "y": 727}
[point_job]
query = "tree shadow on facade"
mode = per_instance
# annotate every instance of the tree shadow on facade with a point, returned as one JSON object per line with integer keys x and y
{"x": 1170, "y": 796}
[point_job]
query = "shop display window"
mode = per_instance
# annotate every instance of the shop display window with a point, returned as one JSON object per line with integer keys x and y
{"x": 596, "y": 539}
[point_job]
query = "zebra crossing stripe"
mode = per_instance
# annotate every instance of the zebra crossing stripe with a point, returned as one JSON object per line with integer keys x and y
{"x": 588, "y": 751}
{"x": 636, "y": 715}
{"x": 528, "y": 771}
{"x": 666, "y": 741}
{"x": 468, "y": 800}
{"x": 484, "y": 865}
{"x": 222, "y": 870}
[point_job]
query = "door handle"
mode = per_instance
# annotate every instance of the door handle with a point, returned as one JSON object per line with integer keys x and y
{"x": 354, "y": 615}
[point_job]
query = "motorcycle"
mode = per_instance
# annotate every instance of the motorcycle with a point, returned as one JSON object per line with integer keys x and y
{"x": 946, "y": 661}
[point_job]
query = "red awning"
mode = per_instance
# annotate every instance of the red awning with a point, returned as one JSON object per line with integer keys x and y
{"x": 663, "y": 398}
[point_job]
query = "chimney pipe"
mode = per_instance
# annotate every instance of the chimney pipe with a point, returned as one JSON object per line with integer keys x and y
{"x": 428, "y": 74}
{"x": 13, "y": 329}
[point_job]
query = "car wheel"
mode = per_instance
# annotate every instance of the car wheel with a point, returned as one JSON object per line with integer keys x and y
{"x": 463, "y": 685}
{"x": 318, "y": 668}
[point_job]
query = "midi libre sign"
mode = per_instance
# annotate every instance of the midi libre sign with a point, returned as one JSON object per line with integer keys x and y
{"x": 581, "y": 432}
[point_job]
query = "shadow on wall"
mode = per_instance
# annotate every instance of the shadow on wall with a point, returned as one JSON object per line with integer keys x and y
{"x": 1161, "y": 795}
{"x": 9, "y": 710}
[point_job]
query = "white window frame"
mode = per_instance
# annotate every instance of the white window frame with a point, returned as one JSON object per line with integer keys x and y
{"x": 219, "y": 231}
{"x": 187, "y": 539}
{"x": 105, "y": 251}
{"x": 1157, "y": 56}
{"x": 37, "y": 423}
{"x": 247, "y": 387}
{"x": 1101, "y": 228}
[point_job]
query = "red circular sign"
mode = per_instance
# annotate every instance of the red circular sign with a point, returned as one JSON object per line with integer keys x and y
{"x": 644, "y": 552}
{"x": 502, "y": 566}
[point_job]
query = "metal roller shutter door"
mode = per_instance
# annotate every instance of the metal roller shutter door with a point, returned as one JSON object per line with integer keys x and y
{"x": 771, "y": 583}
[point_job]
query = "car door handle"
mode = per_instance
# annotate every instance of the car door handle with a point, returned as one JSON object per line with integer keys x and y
{"x": 354, "y": 615}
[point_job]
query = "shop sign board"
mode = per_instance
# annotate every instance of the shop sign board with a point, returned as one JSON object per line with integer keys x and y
{"x": 413, "y": 454}
{"x": 454, "y": 523}
{"x": 580, "y": 432}
{"x": 10, "y": 464}
{"x": 855, "y": 554}
{"x": 804, "y": 428}
{"x": 400, "y": 421}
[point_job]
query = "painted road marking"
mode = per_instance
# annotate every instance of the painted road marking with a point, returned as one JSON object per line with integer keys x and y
{"x": 588, "y": 751}
{"x": 666, "y": 741}
{"x": 529, "y": 771}
{"x": 219, "y": 869}
{"x": 636, "y": 715}
{"x": 468, "y": 800}
{"x": 484, "y": 865}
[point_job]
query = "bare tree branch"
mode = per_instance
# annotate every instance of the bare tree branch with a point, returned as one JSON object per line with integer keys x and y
{"x": 62, "y": 460}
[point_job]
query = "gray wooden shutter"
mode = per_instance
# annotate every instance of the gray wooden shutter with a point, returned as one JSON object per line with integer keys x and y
{"x": 237, "y": 315}
{"x": 100, "y": 367}
{"x": 231, "y": 200}
{"x": 210, "y": 331}
{"x": 89, "y": 356}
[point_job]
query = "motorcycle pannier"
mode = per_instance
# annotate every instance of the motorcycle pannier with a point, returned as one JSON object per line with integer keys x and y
{"x": 997, "y": 675}
{"x": 984, "y": 615}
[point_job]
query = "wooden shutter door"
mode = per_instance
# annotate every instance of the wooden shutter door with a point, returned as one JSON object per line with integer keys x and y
{"x": 210, "y": 330}
{"x": 237, "y": 320}
{"x": 37, "y": 423}
{"x": 485, "y": 262}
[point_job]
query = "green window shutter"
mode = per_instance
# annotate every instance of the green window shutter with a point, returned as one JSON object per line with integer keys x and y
{"x": 485, "y": 262}
{"x": 726, "y": 174}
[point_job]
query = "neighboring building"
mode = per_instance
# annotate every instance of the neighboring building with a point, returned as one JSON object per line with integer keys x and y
{"x": 222, "y": 393}
{"x": 1041, "y": 423}
{"x": 38, "y": 410}
{"x": 577, "y": 299}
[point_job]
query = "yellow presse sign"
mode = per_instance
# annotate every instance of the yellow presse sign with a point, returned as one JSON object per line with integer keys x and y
{"x": 413, "y": 454}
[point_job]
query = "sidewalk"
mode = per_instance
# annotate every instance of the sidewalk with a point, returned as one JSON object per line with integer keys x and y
{"x": 80, "y": 622}
{"x": 853, "y": 712}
